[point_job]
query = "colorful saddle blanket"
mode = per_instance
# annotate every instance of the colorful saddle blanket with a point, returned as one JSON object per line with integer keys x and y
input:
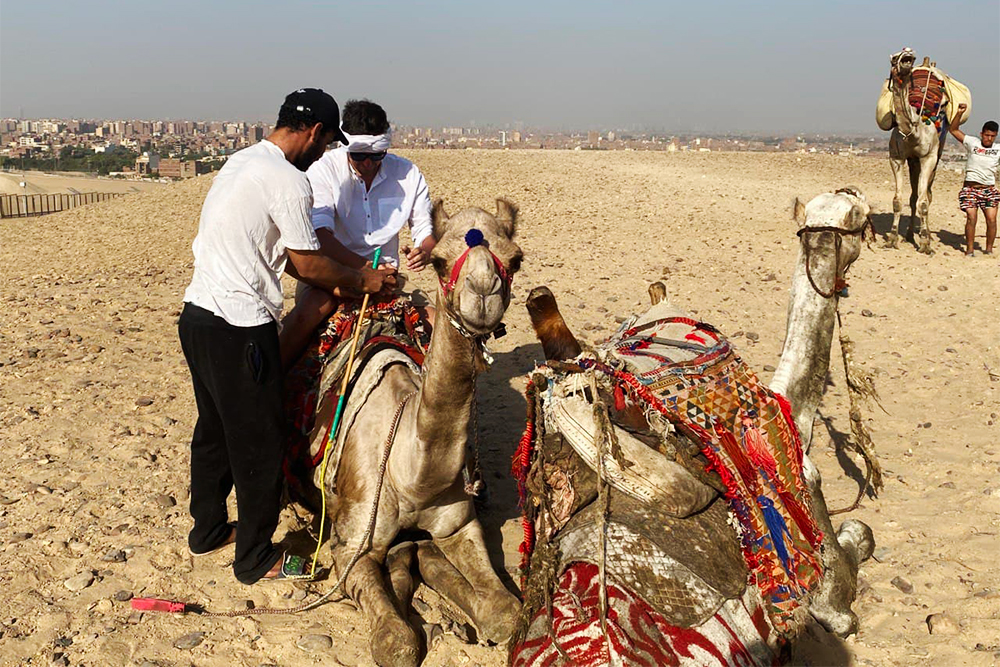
{"x": 688, "y": 373}
{"x": 393, "y": 332}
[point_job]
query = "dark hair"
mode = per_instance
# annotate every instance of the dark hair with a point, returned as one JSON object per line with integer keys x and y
{"x": 364, "y": 117}
{"x": 293, "y": 119}
{"x": 990, "y": 126}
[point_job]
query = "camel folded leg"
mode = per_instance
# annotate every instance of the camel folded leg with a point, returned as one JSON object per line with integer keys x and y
{"x": 458, "y": 567}
{"x": 843, "y": 552}
{"x": 394, "y": 643}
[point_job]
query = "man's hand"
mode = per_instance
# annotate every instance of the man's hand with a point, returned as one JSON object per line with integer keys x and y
{"x": 416, "y": 258}
{"x": 953, "y": 130}
{"x": 375, "y": 280}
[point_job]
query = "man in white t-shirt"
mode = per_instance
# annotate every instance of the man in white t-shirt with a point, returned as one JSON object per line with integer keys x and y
{"x": 979, "y": 189}
{"x": 255, "y": 224}
{"x": 362, "y": 197}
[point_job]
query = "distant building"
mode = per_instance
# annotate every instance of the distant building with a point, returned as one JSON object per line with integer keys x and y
{"x": 515, "y": 137}
{"x": 593, "y": 137}
{"x": 147, "y": 163}
{"x": 254, "y": 133}
{"x": 176, "y": 168}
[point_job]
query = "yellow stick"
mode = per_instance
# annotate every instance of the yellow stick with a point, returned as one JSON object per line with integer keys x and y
{"x": 332, "y": 438}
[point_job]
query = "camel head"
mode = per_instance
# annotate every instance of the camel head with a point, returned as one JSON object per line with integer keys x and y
{"x": 831, "y": 228}
{"x": 475, "y": 259}
{"x": 902, "y": 63}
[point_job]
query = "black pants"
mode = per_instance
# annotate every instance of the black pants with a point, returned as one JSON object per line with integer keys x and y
{"x": 239, "y": 438}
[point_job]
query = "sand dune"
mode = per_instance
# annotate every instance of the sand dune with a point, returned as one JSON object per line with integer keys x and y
{"x": 96, "y": 407}
{"x": 38, "y": 183}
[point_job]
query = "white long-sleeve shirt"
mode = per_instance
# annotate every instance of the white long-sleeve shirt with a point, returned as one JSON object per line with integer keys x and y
{"x": 363, "y": 220}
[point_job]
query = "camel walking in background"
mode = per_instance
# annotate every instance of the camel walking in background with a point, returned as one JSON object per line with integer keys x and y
{"x": 690, "y": 584}
{"x": 423, "y": 482}
{"x": 919, "y": 114}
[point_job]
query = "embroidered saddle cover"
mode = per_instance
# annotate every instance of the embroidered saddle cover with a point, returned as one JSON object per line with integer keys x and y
{"x": 692, "y": 386}
{"x": 392, "y": 332}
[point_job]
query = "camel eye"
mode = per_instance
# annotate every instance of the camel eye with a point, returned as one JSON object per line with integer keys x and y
{"x": 514, "y": 265}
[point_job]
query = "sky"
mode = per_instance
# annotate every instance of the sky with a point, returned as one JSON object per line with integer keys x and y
{"x": 707, "y": 66}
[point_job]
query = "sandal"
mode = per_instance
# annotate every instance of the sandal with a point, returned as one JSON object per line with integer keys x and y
{"x": 229, "y": 541}
{"x": 292, "y": 567}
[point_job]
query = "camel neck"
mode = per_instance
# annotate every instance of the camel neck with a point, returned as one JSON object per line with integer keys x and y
{"x": 805, "y": 357}
{"x": 906, "y": 116}
{"x": 445, "y": 405}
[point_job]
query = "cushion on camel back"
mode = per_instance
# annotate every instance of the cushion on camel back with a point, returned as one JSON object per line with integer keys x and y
{"x": 926, "y": 91}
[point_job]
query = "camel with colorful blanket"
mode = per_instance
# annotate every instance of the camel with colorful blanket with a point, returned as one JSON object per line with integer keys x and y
{"x": 672, "y": 515}
{"x": 401, "y": 459}
{"x": 917, "y": 104}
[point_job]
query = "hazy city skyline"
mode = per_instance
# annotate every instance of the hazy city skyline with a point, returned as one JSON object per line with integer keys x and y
{"x": 711, "y": 67}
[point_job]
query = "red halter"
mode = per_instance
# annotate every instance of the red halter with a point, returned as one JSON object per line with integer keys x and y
{"x": 473, "y": 238}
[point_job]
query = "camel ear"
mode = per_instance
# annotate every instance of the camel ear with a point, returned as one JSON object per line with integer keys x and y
{"x": 799, "y": 212}
{"x": 507, "y": 216}
{"x": 855, "y": 216}
{"x": 439, "y": 219}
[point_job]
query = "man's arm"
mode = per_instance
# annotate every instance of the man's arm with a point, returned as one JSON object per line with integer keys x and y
{"x": 337, "y": 251}
{"x": 315, "y": 268}
{"x": 421, "y": 228}
{"x": 955, "y": 132}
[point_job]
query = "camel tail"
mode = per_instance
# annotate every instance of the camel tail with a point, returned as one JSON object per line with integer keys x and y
{"x": 558, "y": 342}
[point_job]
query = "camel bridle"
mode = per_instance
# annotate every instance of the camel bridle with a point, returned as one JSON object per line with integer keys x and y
{"x": 839, "y": 281}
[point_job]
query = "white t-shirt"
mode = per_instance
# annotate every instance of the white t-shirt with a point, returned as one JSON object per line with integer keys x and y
{"x": 362, "y": 220}
{"x": 981, "y": 163}
{"x": 257, "y": 209}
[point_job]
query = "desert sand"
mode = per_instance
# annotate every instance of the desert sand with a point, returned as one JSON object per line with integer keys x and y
{"x": 96, "y": 409}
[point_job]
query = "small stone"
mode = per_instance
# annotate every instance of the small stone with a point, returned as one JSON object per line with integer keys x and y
{"x": 947, "y": 485}
{"x": 103, "y": 606}
{"x": 768, "y": 368}
{"x": 942, "y": 624}
{"x": 881, "y": 553}
{"x": 902, "y": 584}
{"x": 942, "y": 288}
{"x": 189, "y": 641}
{"x": 166, "y": 421}
{"x": 165, "y": 501}
{"x": 314, "y": 643}
{"x": 752, "y": 335}
{"x": 59, "y": 660}
{"x": 298, "y": 595}
{"x": 122, "y": 596}
{"x": 143, "y": 401}
{"x": 927, "y": 424}
{"x": 134, "y": 618}
{"x": 20, "y": 537}
{"x": 867, "y": 313}
{"x": 114, "y": 556}
{"x": 79, "y": 582}
{"x": 950, "y": 349}
{"x": 4, "y": 500}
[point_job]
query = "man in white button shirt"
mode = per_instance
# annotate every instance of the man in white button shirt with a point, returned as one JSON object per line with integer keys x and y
{"x": 362, "y": 197}
{"x": 255, "y": 224}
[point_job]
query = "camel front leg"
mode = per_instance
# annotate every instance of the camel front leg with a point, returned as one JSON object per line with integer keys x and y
{"x": 393, "y": 641}
{"x": 927, "y": 166}
{"x": 892, "y": 238}
{"x": 458, "y": 567}
{"x": 843, "y": 552}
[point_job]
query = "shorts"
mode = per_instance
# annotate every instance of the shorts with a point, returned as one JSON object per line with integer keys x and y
{"x": 983, "y": 198}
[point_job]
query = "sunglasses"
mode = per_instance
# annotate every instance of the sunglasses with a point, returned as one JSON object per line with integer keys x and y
{"x": 361, "y": 157}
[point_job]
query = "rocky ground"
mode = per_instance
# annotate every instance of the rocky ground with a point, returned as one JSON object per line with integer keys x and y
{"x": 96, "y": 407}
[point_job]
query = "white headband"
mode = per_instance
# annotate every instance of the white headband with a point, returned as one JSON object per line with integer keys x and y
{"x": 368, "y": 143}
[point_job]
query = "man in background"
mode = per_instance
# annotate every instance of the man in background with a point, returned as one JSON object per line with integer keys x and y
{"x": 979, "y": 189}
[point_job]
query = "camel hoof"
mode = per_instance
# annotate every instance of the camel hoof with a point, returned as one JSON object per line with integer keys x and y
{"x": 394, "y": 644}
{"x": 925, "y": 248}
{"x": 892, "y": 240}
{"x": 857, "y": 539}
{"x": 498, "y": 618}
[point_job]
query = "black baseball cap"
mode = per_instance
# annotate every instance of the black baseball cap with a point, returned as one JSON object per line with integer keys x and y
{"x": 320, "y": 105}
